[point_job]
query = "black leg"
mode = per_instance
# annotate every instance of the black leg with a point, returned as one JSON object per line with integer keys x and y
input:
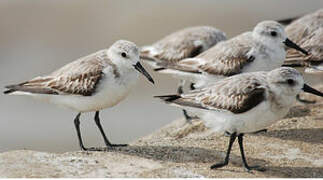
{"x": 188, "y": 118}
{"x": 192, "y": 86}
{"x": 180, "y": 91}
{"x": 226, "y": 160}
{"x": 106, "y": 141}
{"x": 77, "y": 126}
{"x": 244, "y": 161}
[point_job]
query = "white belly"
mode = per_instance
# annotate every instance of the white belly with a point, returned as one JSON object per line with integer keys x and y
{"x": 110, "y": 91}
{"x": 254, "y": 120}
{"x": 266, "y": 62}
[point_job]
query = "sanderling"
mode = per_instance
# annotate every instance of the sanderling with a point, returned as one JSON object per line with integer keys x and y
{"x": 308, "y": 33}
{"x": 185, "y": 43}
{"x": 260, "y": 50}
{"x": 91, "y": 83}
{"x": 244, "y": 103}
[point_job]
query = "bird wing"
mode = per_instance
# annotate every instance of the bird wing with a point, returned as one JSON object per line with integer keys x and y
{"x": 226, "y": 58}
{"x": 236, "y": 94}
{"x": 183, "y": 44}
{"x": 313, "y": 43}
{"x": 76, "y": 78}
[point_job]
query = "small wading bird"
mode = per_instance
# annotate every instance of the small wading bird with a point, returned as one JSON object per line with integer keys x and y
{"x": 307, "y": 32}
{"x": 244, "y": 103}
{"x": 91, "y": 83}
{"x": 185, "y": 43}
{"x": 263, "y": 49}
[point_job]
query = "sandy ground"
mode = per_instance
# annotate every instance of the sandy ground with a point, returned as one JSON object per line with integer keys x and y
{"x": 292, "y": 147}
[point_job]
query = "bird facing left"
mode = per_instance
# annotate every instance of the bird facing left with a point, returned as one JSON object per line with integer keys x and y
{"x": 91, "y": 83}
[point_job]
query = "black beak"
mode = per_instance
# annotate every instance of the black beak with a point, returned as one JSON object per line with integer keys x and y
{"x": 291, "y": 44}
{"x": 142, "y": 70}
{"x": 311, "y": 90}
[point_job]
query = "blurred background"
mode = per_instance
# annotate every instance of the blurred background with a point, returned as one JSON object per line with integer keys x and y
{"x": 39, "y": 36}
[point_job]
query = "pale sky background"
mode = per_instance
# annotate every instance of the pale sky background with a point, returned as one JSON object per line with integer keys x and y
{"x": 39, "y": 36}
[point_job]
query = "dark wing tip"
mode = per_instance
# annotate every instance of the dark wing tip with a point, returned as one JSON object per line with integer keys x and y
{"x": 159, "y": 69}
{"x": 287, "y": 21}
{"x": 9, "y": 91}
{"x": 168, "y": 98}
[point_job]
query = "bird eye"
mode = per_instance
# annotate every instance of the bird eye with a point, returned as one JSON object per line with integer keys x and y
{"x": 124, "y": 54}
{"x": 273, "y": 33}
{"x": 290, "y": 82}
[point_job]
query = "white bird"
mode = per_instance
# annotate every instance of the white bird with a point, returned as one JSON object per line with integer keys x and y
{"x": 307, "y": 31}
{"x": 262, "y": 49}
{"x": 185, "y": 43}
{"x": 244, "y": 103}
{"x": 91, "y": 83}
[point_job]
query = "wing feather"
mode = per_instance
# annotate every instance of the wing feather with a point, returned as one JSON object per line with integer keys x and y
{"x": 313, "y": 43}
{"x": 226, "y": 58}
{"x": 183, "y": 44}
{"x": 77, "y": 78}
{"x": 236, "y": 94}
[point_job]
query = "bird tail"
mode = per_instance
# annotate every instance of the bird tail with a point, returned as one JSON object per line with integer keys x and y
{"x": 287, "y": 21}
{"x": 159, "y": 69}
{"x": 9, "y": 91}
{"x": 168, "y": 98}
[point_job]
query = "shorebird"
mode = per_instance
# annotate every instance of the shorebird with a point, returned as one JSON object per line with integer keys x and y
{"x": 244, "y": 103}
{"x": 308, "y": 33}
{"x": 185, "y": 43}
{"x": 262, "y": 49}
{"x": 91, "y": 83}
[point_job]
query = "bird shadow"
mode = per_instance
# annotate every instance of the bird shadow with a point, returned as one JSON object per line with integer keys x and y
{"x": 313, "y": 135}
{"x": 298, "y": 111}
{"x": 180, "y": 154}
{"x": 294, "y": 172}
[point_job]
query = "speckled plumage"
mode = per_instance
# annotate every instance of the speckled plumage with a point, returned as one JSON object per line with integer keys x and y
{"x": 243, "y": 103}
{"x": 247, "y": 52}
{"x": 76, "y": 78}
{"x": 307, "y": 32}
{"x": 182, "y": 44}
{"x": 91, "y": 83}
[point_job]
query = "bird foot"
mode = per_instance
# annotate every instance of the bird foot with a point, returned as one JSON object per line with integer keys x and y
{"x": 117, "y": 145}
{"x": 256, "y": 168}
{"x": 218, "y": 165}
{"x": 93, "y": 149}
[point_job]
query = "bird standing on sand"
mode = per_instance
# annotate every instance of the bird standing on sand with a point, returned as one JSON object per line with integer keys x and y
{"x": 91, "y": 83}
{"x": 244, "y": 103}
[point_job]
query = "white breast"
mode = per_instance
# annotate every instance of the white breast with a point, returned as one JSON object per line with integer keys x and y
{"x": 109, "y": 92}
{"x": 258, "y": 118}
{"x": 266, "y": 59}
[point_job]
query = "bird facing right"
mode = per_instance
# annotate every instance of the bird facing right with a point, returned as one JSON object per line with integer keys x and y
{"x": 244, "y": 103}
{"x": 91, "y": 83}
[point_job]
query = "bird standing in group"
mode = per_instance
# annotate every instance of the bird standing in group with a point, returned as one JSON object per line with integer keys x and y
{"x": 262, "y": 49}
{"x": 244, "y": 103}
{"x": 307, "y": 31}
{"x": 185, "y": 43}
{"x": 92, "y": 83}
